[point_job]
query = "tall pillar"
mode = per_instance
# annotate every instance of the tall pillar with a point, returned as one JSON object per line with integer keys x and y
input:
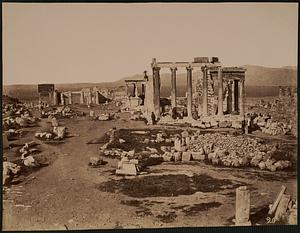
{"x": 70, "y": 97}
{"x": 55, "y": 100}
{"x": 62, "y": 99}
{"x": 127, "y": 91}
{"x": 242, "y": 98}
{"x": 189, "y": 91}
{"x": 81, "y": 97}
{"x": 204, "y": 94}
{"x": 136, "y": 94}
{"x": 173, "y": 86}
{"x": 89, "y": 97}
{"x": 156, "y": 90}
{"x": 220, "y": 92}
{"x": 97, "y": 97}
{"x": 234, "y": 96}
{"x": 143, "y": 89}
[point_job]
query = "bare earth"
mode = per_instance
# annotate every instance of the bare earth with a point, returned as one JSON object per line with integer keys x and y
{"x": 67, "y": 194}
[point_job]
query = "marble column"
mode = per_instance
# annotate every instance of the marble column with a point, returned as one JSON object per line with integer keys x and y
{"x": 242, "y": 98}
{"x": 156, "y": 90}
{"x": 143, "y": 89}
{"x": 136, "y": 94}
{"x": 234, "y": 96}
{"x": 220, "y": 92}
{"x": 55, "y": 100}
{"x": 70, "y": 97}
{"x": 89, "y": 97}
{"x": 204, "y": 94}
{"x": 97, "y": 97}
{"x": 81, "y": 97}
{"x": 62, "y": 99}
{"x": 127, "y": 94}
{"x": 173, "y": 87}
{"x": 242, "y": 206}
{"x": 189, "y": 91}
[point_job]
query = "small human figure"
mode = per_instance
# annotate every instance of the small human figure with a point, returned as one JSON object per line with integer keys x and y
{"x": 153, "y": 118}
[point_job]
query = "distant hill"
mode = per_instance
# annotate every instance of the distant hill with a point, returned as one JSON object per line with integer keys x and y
{"x": 260, "y": 81}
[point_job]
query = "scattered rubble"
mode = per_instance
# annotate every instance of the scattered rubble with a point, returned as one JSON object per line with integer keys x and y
{"x": 9, "y": 170}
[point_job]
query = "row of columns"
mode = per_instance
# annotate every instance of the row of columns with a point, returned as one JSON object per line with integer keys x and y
{"x": 135, "y": 89}
{"x": 156, "y": 85}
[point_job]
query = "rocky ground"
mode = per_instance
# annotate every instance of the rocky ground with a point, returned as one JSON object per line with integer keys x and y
{"x": 69, "y": 194}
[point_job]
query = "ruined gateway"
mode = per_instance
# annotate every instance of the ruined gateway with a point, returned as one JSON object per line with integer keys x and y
{"x": 219, "y": 98}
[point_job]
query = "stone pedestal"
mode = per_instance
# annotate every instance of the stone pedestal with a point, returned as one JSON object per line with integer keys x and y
{"x": 242, "y": 208}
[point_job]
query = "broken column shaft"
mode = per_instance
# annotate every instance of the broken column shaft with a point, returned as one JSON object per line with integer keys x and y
{"x": 242, "y": 207}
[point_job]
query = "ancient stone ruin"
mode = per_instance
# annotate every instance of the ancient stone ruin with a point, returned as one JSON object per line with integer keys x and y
{"x": 219, "y": 97}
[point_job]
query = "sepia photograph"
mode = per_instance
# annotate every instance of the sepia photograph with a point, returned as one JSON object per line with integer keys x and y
{"x": 149, "y": 115}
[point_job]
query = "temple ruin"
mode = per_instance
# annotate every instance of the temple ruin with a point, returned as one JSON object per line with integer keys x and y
{"x": 220, "y": 92}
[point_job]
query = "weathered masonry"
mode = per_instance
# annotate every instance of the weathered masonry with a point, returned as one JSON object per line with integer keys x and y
{"x": 134, "y": 98}
{"x": 85, "y": 96}
{"x": 224, "y": 102}
{"x": 46, "y": 92}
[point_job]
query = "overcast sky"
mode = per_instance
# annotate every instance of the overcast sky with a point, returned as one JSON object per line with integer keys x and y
{"x": 66, "y": 43}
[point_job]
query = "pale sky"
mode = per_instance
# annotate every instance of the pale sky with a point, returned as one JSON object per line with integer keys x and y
{"x": 69, "y": 43}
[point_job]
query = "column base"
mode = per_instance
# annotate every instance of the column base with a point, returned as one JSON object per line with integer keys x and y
{"x": 248, "y": 223}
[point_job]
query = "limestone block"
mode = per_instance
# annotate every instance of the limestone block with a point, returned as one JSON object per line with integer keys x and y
{"x": 200, "y": 156}
{"x": 237, "y": 124}
{"x": 5, "y": 141}
{"x": 127, "y": 169}
{"x": 186, "y": 156}
{"x": 167, "y": 156}
{"x": 282, "y": 207}
{"x": 177, "y": 156}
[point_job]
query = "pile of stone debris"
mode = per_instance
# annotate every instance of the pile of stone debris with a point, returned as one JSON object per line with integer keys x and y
{"x": 268, "y": 126}
{"x": 284, "y": 208}
{"x": 16, "y": 116}
{"x": 26, "y": 158}
{"x": 58, "y": 132}
{"x": 60, "y": 111}
{"x": 215, "y": 148}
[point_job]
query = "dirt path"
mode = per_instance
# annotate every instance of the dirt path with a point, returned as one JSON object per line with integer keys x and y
{"x": 64, "y": 195}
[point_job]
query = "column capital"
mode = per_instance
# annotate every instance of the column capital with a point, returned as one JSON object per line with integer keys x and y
{"x": 156, "y": 68}
{"x": 189, "y": 67}
{"x": 174, "y": 68}
{"x": 204, "y": 68}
